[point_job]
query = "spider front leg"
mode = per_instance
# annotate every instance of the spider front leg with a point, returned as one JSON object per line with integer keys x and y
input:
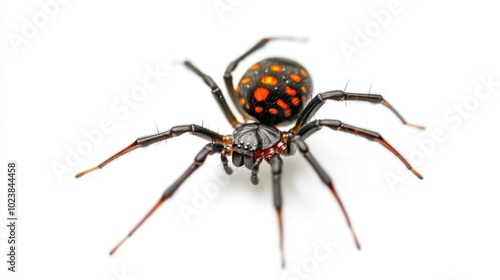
{"x": 255, "y": 170}
{"x": 312, "y": 127}
{"x": 276, "y": 164}
{"x": 338, "y": 95}
{"x": 173, "y": 132}
{"x": 200, "y": 158}
{"x": 216, "y": 92}
{"x": 302, "y": 147}
{"x": 225, "y": 162}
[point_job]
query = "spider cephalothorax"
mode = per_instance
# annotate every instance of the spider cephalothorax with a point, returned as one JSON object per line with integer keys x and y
{"x": 251, "y": 140}
{"x": 273, "y": 91}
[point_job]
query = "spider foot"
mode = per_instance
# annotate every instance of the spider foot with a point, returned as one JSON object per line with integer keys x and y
{"x": 228, "y": 170}
{"x": 254, "y": 179}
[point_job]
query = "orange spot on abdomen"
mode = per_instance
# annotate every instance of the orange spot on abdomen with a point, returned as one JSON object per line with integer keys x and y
{"x": 276, "y": 68}
{"x": 282, "y": 104}
{"x": 290, "y": 91}
{"x": 295, "y": 78}
{"x": 260, "y": 94}
{"x": 273, "y": 111}
{"x": 269, "y": 80}
{"x": 246, "y": 80}
{"x": 287, "y": 112}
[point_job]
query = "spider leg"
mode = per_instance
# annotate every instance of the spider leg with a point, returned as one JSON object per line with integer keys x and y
{"x": 314, "y": 126}
{"x": 148, "y": 140}
{"x": 228, "y": 77}
{"x": 217, "y": 93}
{"x": 200, "y": 158}
{"x": 338, "y": 95}
{"x": 255, "y": 171}
{"x": 299, "y": 141}
{"x": 223, "y": 159}
{"x": 276, "y": 163}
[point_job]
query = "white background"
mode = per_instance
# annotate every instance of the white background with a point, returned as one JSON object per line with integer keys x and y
{"x": 428, "y": 58}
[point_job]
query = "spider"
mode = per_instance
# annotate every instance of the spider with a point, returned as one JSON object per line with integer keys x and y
{"x": 274, "y": 91}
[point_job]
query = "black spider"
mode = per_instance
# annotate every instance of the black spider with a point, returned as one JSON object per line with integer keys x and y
{"x": 272, "y": 92}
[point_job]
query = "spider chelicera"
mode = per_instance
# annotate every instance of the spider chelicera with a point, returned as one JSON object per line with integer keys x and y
{"x": 274, "y": 91}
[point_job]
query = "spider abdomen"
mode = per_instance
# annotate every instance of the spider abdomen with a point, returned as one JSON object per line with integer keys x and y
{"x": 274, "y": 90}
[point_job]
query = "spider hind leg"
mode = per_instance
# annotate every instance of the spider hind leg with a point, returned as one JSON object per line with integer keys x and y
{"x": 200, "y": 158}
